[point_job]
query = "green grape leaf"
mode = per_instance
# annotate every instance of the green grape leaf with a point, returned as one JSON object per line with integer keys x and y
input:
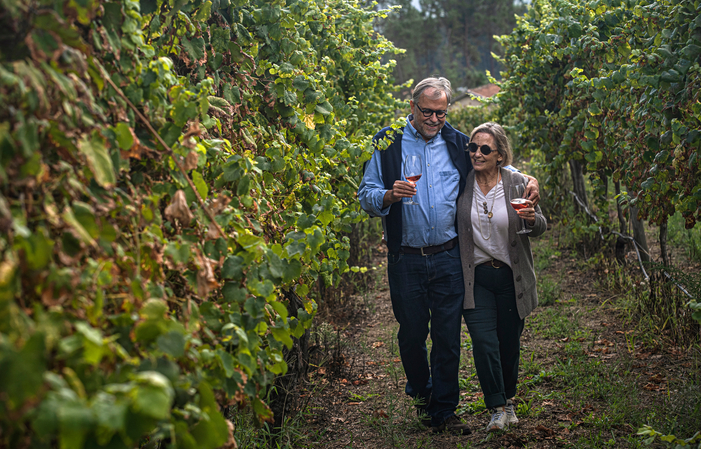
{"x": 125, "y": 139}
{"x": 172, "y": 344}
{"x": 194, "y": 47}
{"x": 200, "y": 184}
{"x": 99, "y": 161}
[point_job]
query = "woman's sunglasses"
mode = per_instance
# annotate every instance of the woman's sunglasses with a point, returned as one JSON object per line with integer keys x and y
{"x": 485, "y": 149}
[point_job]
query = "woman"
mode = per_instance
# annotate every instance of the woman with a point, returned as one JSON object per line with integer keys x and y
{"x": 497, "y": 264}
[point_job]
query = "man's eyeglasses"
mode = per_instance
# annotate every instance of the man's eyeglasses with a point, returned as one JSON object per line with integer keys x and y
{"x": 427, "y": 113}
{"x": 485, "y": 149}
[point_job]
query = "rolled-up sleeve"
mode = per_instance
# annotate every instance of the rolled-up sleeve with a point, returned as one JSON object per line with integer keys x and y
{"x": 372, "y": 189}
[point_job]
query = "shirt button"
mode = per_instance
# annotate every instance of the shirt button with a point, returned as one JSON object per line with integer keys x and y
{"x": 431, "y": 227}
{"x": 430, "y": 185}
{"x": 431, "y": 207}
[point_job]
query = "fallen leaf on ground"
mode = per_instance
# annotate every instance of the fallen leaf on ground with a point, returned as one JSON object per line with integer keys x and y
{"x": 657, "y": 378}
{"x": 380, "y": 414}
{"x": 546, "y": 430}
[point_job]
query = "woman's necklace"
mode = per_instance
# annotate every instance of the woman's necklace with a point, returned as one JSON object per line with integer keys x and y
{"x": 488, "y": 212}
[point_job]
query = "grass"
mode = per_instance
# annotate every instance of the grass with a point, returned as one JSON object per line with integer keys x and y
{"x": 557, "y": 322}
{"x": 545, "y": 250}
{"x": 577, "y": 381}
{"x": 602, "y": 399}
{"x": 549, "y": 291}
{"x": 688, "y": 239}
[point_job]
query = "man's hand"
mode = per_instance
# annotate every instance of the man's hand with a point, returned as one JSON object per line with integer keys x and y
{"x": 400, "y": 189}
{"x": 528, "y": 213}
{"x": 532, "y": 191}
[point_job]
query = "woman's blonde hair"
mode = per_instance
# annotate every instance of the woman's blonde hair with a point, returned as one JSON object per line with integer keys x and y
{"x": 500, "y": 139}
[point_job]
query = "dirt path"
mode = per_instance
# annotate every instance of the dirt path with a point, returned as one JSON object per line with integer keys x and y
{"x": 590, "y": 374}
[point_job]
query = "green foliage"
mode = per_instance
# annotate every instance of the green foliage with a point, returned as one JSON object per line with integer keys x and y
{"x": 549, "y": 291}
{"x": 142, "y": 280}
{"x": 469, "y": 117}
{"x": 614, "y": 86}
{"x": 669, "y": 440}
{"x": 688, "y": 239}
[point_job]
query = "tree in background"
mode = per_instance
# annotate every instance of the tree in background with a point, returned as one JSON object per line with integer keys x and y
{"x": 453, "y": 38}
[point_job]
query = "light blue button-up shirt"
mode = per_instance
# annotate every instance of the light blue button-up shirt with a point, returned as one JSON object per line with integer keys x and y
{"x": 432, "y": 222}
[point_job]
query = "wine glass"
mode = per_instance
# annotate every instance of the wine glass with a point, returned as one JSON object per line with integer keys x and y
{"x": 518, "y": 202}
{"x": 412, "y": 171}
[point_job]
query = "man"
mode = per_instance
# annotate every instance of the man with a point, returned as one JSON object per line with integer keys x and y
{"x": 424, "y": 271}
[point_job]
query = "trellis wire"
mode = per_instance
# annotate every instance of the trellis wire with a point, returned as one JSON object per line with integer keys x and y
{"x": 637, "y": 246}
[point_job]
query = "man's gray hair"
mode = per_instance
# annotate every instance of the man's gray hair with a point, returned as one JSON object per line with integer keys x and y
{"x": 440, "y": 84}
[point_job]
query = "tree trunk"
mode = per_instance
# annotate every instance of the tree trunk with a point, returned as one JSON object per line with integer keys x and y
{"x": 578, "y": 185}
{"x": 284, "y": 397}
{"x": 605, "y": 182}
{"x": 639, "y": 234}
{"x": 619, "y": 210}
{"x": 621, "y": 242}
{"x": 466, "y": 44}
{"x": 663, "y": 242}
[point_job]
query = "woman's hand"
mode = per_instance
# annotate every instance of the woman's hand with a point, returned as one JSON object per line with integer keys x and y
{"x": 528, "y": 213}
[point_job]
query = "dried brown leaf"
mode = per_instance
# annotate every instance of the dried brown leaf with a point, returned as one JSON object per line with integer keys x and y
{"x": 206, "y": 281}
{"x": 177, "y": 209}
{"x": 231, "y": 442}
{"x": 190, "y": 162}
{"x": 194, "y": 130}
{"x": 219, "y": 204}
{"x": 546, "y": 430}
{"x": 380, "y": 414}
{"x": 213, "y": 232}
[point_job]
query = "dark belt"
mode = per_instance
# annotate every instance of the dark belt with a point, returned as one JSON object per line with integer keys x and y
{"x": 428, "y": 250}
{"x": 494, "y": 263}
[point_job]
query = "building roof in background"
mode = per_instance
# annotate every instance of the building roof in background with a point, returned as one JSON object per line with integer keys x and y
{"x": 466, "y": 98}
{"x": 487, "y": 90}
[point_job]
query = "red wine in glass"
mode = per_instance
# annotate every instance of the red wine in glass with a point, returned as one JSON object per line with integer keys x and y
{"x": 413, "y": 178}
{"x": 413, "y": 169}
{"x": 518, "y": 202}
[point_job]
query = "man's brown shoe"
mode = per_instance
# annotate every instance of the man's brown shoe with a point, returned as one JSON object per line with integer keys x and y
{"x": 453, "y": 424}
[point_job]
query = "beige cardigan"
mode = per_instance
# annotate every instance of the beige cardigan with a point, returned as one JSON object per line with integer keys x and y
{"x": 519, "y": 248}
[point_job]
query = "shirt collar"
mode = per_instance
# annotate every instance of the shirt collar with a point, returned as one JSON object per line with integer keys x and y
{"x": 414, "y": 133}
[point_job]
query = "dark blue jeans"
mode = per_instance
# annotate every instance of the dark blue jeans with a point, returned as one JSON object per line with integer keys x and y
{"x": 495, "y": 328}
{"x": 429, "y": 290}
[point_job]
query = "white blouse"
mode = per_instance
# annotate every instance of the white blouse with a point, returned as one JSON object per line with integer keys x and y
{"x": 491, "y": 237}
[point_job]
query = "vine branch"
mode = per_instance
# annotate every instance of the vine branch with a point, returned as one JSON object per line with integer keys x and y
{"x": 168, "y": 150}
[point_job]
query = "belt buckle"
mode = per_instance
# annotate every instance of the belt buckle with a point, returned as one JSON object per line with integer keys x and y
{"x": 494, "y": 266}
{"x": 422, "y": 251}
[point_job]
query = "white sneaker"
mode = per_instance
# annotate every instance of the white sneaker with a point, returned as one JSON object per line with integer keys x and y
{"x": 511, "y": 418}
{"x": 498, "y": 421}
